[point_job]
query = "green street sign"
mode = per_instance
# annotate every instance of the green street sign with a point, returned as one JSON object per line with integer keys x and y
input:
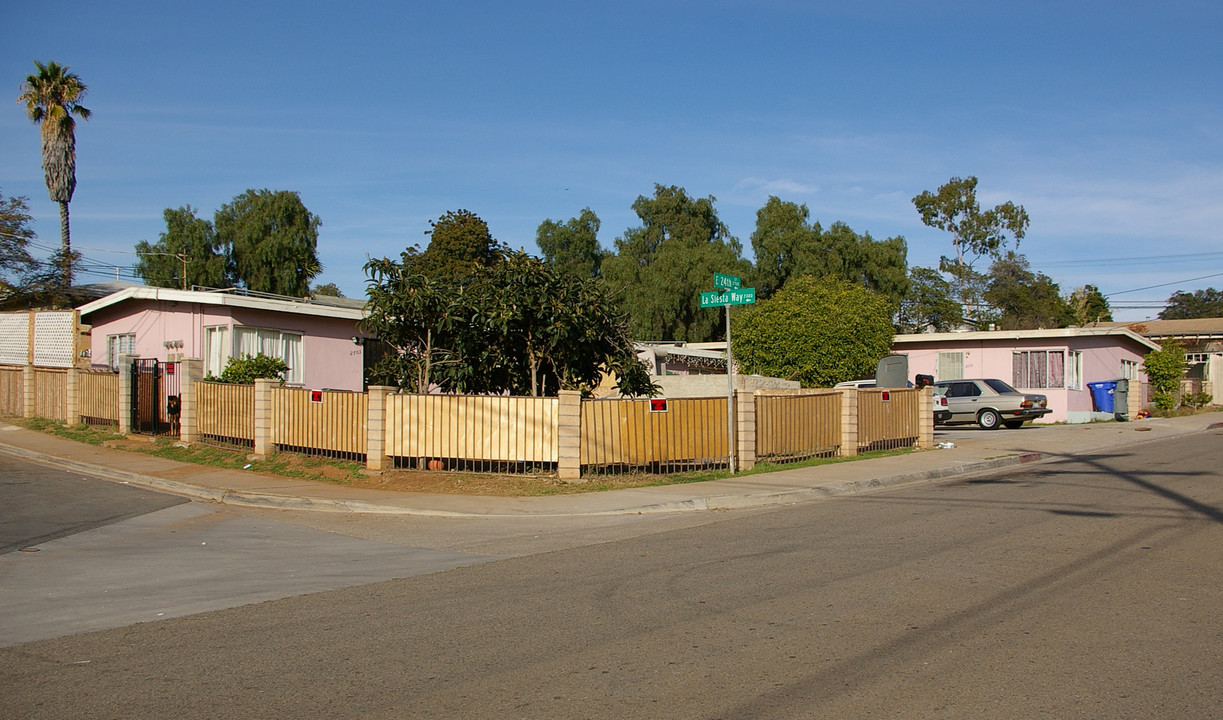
{"x": 746, "y": 296}
{"x": 726, "y": 282}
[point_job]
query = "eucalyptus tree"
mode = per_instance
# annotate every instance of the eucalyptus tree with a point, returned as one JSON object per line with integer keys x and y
{"x": 662, "y": 267}
{"x": 271, "y": 240}
{"x": 573, "y": 246}
{"x": 975, "y": 233}
{"x": 187, "y": 254}
{"x": 52, "y": 97}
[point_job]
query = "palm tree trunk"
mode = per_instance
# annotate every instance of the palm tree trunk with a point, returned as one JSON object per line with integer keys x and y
{"x": 66, "y": 244}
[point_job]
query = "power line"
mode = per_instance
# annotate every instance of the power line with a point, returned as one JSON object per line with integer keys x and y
{"x": 1178, "y": 282}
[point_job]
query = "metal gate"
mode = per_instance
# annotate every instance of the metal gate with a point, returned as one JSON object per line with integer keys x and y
{"x": 155, "y": 397}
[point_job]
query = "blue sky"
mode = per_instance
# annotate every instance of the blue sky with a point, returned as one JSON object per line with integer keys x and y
{"x": 1104, "y": 120}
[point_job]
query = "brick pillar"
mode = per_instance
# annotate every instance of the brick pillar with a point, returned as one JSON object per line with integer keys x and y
{"x": 28, "y": 405}
{"x": 190, "y": 373}
{"x": 925, "y": 418}
{"x": 375, "y": 428}
{"x": 263, "y": 416}
{"x": 125, "y": 394}
{"x": 569, "y": 436}
{"x": 72, "y": 397}
{"x": 745, "y": 428}
{"x": 849, "y": 422}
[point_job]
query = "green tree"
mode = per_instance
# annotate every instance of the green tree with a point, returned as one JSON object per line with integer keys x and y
{"x": 1181, "y": 305}
{"x": 954, "y": 208}
{"x": 1088, "y": 305}
{"x": 415, "y": 316}
{"x": 52, "y": 96}
{"x": 327, "y": 290}
{"x": 786, "y": 245}
{"x": 662, "y": 267}
{"x": 929, "y": 304}
{"x": 819, "y": 332}
{"x": 188, "y": 253}
{"x": 1164, "y": 368}
{"x": 16, "y": 234}
{"x": 783, "y": 239}
{"x": 878, "y": 265}
{"x": 459, "y": 243}
{"x": 272, "y": 241}
{"x": 1024, "y": 300}
{"x": 572, "y": 247}
{"x": 517, "y": 325}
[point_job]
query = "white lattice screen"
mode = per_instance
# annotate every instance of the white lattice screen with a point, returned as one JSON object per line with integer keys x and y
{"x": 53, "y": 339}
{"x": 14, "y": 338}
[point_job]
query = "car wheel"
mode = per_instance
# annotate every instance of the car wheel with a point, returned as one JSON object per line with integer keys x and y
{"x": 989, "y": 420}
{"x": 1013, "y": 424}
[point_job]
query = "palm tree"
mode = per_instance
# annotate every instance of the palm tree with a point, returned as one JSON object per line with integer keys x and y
{"x": 52, "y": 97}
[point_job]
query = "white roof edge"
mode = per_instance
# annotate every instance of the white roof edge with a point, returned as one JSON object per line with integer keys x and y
{"x": 983, "y": 335}
{"x": 222, "y": 299}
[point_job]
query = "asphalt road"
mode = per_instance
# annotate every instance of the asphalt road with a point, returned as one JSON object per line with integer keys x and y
{"x": 1086, "y": 588}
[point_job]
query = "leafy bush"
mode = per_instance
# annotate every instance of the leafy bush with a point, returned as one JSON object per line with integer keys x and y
{"x": 1165, "y": 368}
{"x": 1198, "y": 399}
{"x": 248, "y": 368}
{"x": 819, "y": 332}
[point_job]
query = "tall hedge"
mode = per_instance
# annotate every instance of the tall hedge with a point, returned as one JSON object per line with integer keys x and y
{"x": 819, "y": 332}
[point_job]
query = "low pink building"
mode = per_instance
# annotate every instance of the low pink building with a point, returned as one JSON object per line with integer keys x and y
{"x": 318, "y": 339}
{"x": 1058, "y": 363}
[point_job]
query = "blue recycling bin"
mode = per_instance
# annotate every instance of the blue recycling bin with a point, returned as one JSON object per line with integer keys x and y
{"x": 1102, "y": 395}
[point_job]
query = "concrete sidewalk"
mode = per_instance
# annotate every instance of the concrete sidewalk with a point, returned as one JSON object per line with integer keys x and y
{"x": 975, "y": 451}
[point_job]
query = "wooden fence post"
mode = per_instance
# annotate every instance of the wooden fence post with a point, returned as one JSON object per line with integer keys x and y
{"x": 849, "y": 422}
{"x": 190, "y": 372}
{"x": 263, "y": 416}
{"x": 376, "y": 459}
{"x": 569, "y": 435}
{"x": 745, "y": 428}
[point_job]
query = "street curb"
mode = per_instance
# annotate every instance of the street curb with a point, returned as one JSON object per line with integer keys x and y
{"x": 727, "y": 501}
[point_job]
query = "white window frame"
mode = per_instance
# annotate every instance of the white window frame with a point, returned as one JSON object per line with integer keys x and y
{"x": 1042, "y": 376}
{"x": 217, "y": 349}
{"x": 1129, "y": 369}
{"x": 119, "y": 344}
{"x": 1074, "y": 370}
{"x": 950, "y": 366}
{"x": 284, "y": 344}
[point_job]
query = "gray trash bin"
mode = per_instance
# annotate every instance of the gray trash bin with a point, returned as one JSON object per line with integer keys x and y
{"x": 1121, "y": 397}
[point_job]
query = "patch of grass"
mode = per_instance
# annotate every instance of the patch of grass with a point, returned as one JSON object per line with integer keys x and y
{"x": 80, "y": 433}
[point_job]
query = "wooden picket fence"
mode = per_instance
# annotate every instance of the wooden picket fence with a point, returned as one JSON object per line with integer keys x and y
{"x": 793, "y": 427}
{"x": 499, "y": 433}
{"x": 462, "y": 432}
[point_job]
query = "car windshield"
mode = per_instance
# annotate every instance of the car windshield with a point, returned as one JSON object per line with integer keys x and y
{"x": 1000, "y": 387}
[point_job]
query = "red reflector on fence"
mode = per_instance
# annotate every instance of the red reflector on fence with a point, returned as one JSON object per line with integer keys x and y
{"x": 316, "y": 396}
{"x": 887, "y": 396}
{"x": 658, "y": 404}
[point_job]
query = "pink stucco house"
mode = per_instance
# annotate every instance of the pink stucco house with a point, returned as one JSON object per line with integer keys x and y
{"x": 1058, "y": 363}
{"x": 317, "y": 338}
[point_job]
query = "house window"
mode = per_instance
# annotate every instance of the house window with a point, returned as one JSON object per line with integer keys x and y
{"x": 950, "y": 365}
{"x": 274, "y": 343}
{"x": 1129, "y": 369}
{"x": 117, "y": 345}
{"x": 1074, "y": 370}
{"x": 216, "y": 350}
{"x": 1038, "y": 369}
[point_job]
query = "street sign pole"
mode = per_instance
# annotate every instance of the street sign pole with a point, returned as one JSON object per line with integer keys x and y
{"x": 730, "y": 396}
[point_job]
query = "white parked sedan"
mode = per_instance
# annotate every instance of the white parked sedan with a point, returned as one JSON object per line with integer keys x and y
{"x": 990, "y": 403}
